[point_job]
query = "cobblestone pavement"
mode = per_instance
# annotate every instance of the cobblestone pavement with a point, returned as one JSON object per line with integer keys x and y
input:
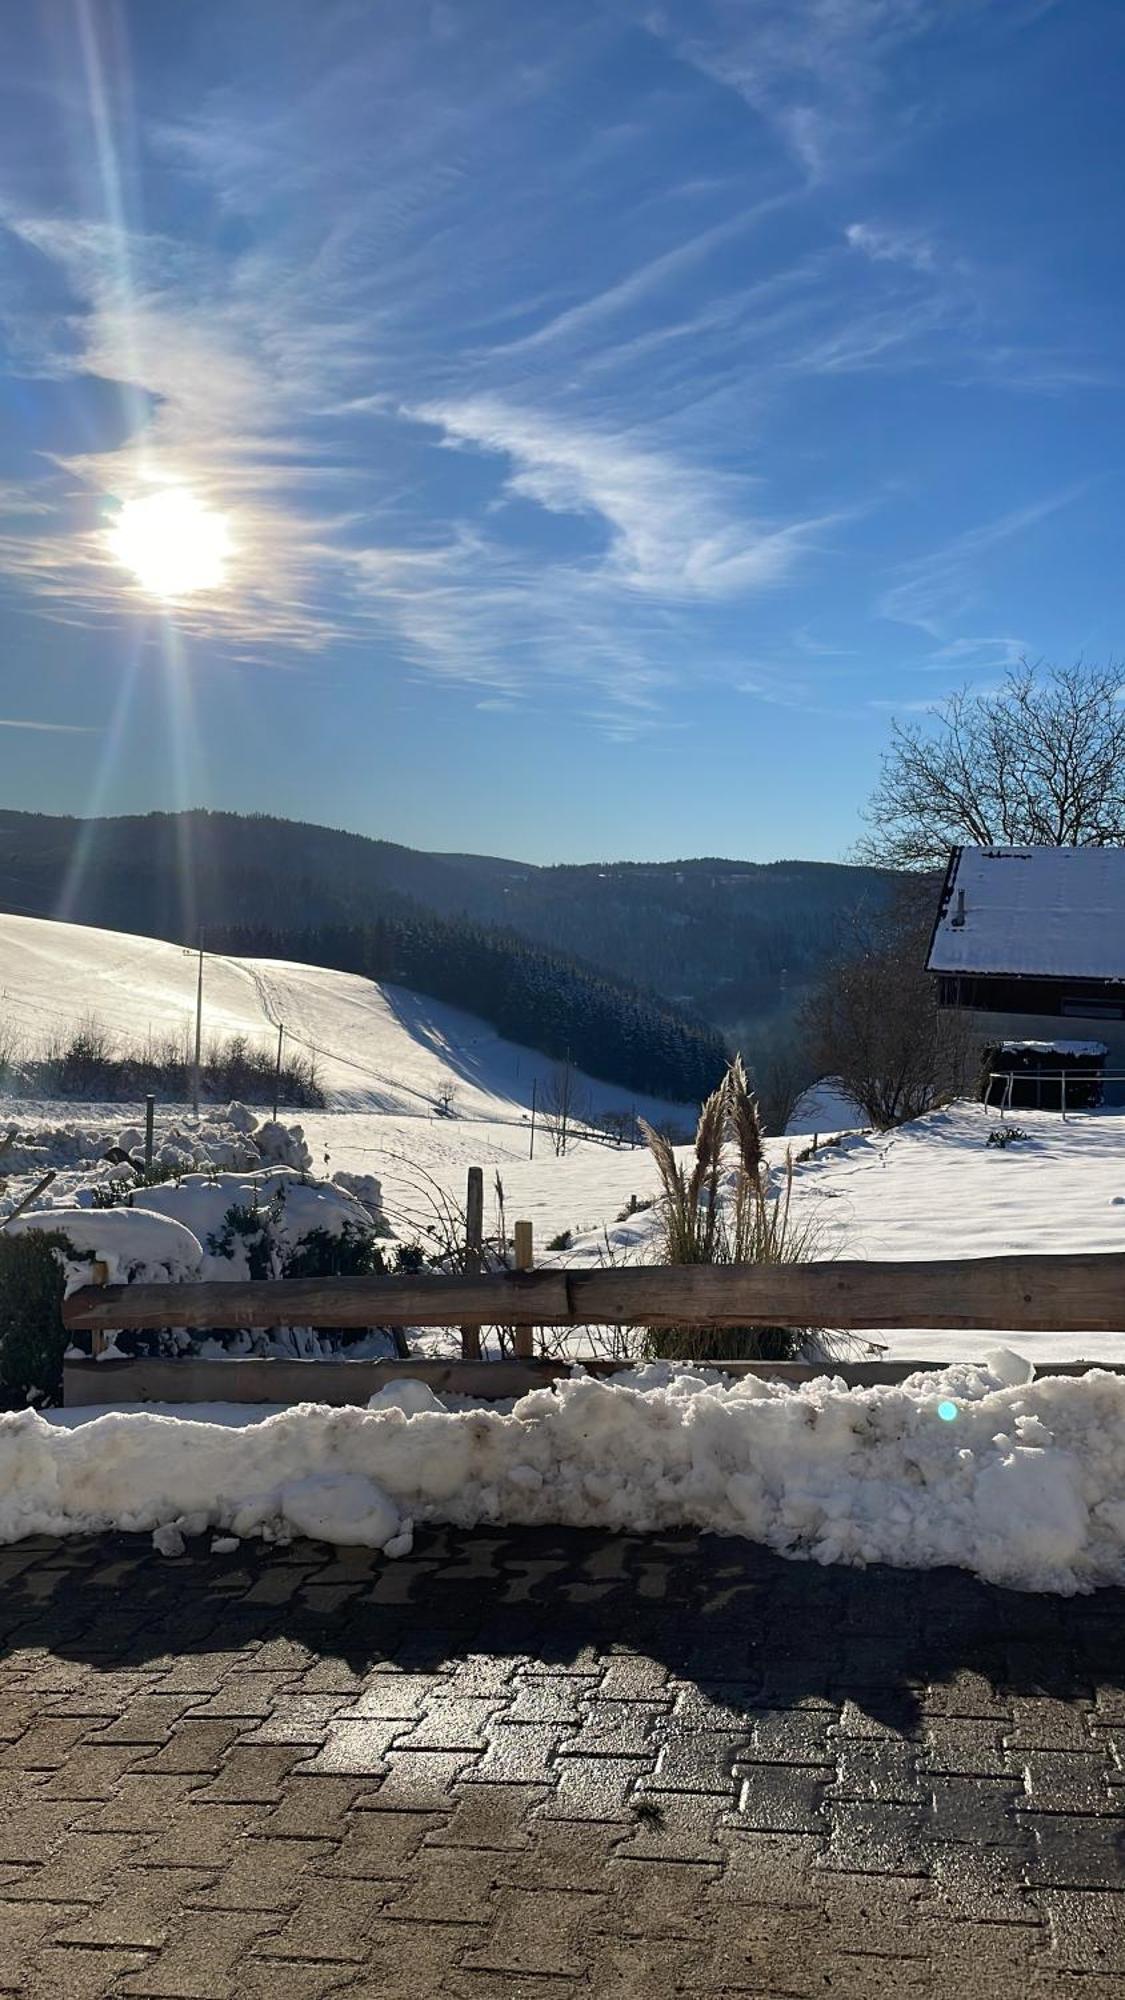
{"x": 548, "y": 1763}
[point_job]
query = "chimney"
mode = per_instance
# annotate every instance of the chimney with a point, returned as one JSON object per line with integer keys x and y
{"x": 958, "y": 918}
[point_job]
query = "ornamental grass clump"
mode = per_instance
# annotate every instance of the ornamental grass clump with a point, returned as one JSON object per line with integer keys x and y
{"x": 726, "y": 1207}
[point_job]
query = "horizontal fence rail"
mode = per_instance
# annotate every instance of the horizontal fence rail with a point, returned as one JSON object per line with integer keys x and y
{"x": 1021, "y": 1294}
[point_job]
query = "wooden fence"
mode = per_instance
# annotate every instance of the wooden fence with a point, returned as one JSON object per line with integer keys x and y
{"x": 1017, "y": 1294}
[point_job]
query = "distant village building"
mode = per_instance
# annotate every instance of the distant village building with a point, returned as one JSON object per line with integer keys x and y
{"x": 1030, "y": 943}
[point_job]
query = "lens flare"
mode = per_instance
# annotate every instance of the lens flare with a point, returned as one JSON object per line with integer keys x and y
{"x": 947, "y": 1412}
{"x": 173, "y": 544}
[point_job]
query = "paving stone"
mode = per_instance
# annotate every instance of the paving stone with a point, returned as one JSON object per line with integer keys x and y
{"x": 204, "y": 1958}
{"x": 870, "y": 1839}
{"x": 194, "y": 1746}
{"x": 358, "y": 1749}
{"x": 443, "y": 1888}
{"x": 728, "y": 1706}
{"x": 551, "y": 1698}
{"x": 490, "y": 1816}
{"x": 1087, "y": 1929}
{"x": 296, "y": 1718}
{"x": 616, "y": 1729}
{"x": 959, "y": 1745}
{"x": 699, "y": 1760}
{"x": 682, "y": 1827}
{"x": 311, "y": 1808}
{"x": 770, "y": 1868}
{"x": 198, "y": 1836}
{"x": 653, "y": 1899}
{"x": 594, "y": 1788}
{"x": 94, "y": 1773}
{"x": 144, "y": 1910}
{"x": 247, "y": 1696}
{"x": 80, "y": 1972}
{"x": 139, "y": 1805}
{"x": 333, "y": 1924}
{"x": 968, "y": 1694}
{"x": 252, "y": 1775}
{"x": 631, "y": 1676}
{"x": 520, "y": 1754}
{"x": 879, "y": 1768}
{"x": 561, "y": 1854}
{"x": 547, "y": 1933}
{"x": 402, "y": 1696}
{"x": 382, "y": 1846}
{"x": 1067, "y": 1781}
{"x": 47, "y": 1745}
{"x": 788, "y": 1736}
{"x": 149, "y": 1719}
{"x": 418, "y": 1781}
{"x": 1074, "y": 1853}
{"x": 265, "y": 1874}
{"x": 776, "y": 1799}
{"x": 33, "y": 1831}
{"x": 452, "y": 1724}
{"x": 26, "y": 1928}
{"x": 981, "y": 1812}
{"x": 82, "y": 1868}
{"x": 1045, "y": 1724}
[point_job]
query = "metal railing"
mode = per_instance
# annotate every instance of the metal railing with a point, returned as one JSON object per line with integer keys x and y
{"x": 1081, "y": 1084}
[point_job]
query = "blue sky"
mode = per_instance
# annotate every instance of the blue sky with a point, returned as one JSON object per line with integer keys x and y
{"x": 617, "y": 411}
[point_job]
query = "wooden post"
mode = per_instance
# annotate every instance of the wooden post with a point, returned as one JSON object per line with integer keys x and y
{"x": 277, "y": 1070}
{"x": 198, "y": 1064}
{"x": 525, "y": 1261}
{"x": 150, "y": 1114}
{"x": 474, "y": 1238}
{"x": 99, "y": 1275}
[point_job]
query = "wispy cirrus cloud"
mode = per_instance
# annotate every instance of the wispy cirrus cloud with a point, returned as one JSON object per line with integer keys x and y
{"x": 941, "y": 587}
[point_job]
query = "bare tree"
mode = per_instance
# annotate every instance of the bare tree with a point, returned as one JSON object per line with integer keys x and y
{"x": 563, "y": 1105}
{"x": 873, "y": 1020}
{"x": 781, "y": 1072}
{"x": 1038, "y": 763}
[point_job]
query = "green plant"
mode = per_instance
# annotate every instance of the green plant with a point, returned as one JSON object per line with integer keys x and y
{"x": 726, "y": 1208}
{"x": 562, "y": 1241}
{"x": 254, "y": 1229}
{"x": 1004, "y": 1136}
{"x": 32, "y": 1336}
{"x": 353, "y": 1253}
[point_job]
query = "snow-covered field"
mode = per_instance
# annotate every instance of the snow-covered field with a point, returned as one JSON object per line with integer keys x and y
{"x": 1022, "y": 1481}
{"x": 932, "y": 1189}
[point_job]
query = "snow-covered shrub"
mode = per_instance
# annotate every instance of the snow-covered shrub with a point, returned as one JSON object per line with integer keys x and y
{"x": 32, "y": 1338}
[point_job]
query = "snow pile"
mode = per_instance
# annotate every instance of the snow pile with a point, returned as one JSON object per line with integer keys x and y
{"x": 287, "y": 1207}
{"x": 135, "y": 1248}
{"x": 87, "y": 1155}
{"x": 1021, "y": 1482}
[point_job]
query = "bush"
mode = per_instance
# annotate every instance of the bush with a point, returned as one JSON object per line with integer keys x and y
{"x": 32, "y": 1336}
{"x": 562, "y": 1241}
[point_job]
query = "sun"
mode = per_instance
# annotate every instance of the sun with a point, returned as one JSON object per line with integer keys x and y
{"x": 172, "y": 543}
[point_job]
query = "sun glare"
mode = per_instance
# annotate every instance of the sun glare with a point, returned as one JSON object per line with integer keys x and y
{"x": 172, "y": 543}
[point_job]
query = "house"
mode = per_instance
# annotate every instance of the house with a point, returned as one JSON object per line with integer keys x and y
{"x": 1030, "y": 943}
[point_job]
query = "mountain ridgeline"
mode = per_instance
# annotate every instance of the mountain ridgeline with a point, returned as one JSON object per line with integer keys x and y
{"x": 620, "y": 964}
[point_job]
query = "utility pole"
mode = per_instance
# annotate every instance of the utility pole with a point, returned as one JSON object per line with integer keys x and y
{"x": 277, "y": 1071}
{"x": 195, "y": 1075}
{"x": 534, "y": 1093}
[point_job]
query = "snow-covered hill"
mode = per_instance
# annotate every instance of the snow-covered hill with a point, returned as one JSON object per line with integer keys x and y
{"x": 377, "y": 1048}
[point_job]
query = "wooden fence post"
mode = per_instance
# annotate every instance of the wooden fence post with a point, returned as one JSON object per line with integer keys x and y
{"x": 150, "y": 1115}
{"x": 474, "y": 1239}
{"x": 99, "y": 1275}
{"x": 525, "y": 1261}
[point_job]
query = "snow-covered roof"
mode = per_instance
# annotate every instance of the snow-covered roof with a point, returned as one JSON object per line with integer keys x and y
{"x": 1046, "y": 912}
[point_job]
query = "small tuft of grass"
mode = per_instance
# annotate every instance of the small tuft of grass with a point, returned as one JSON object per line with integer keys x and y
{"x": 649, "y": 1812}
